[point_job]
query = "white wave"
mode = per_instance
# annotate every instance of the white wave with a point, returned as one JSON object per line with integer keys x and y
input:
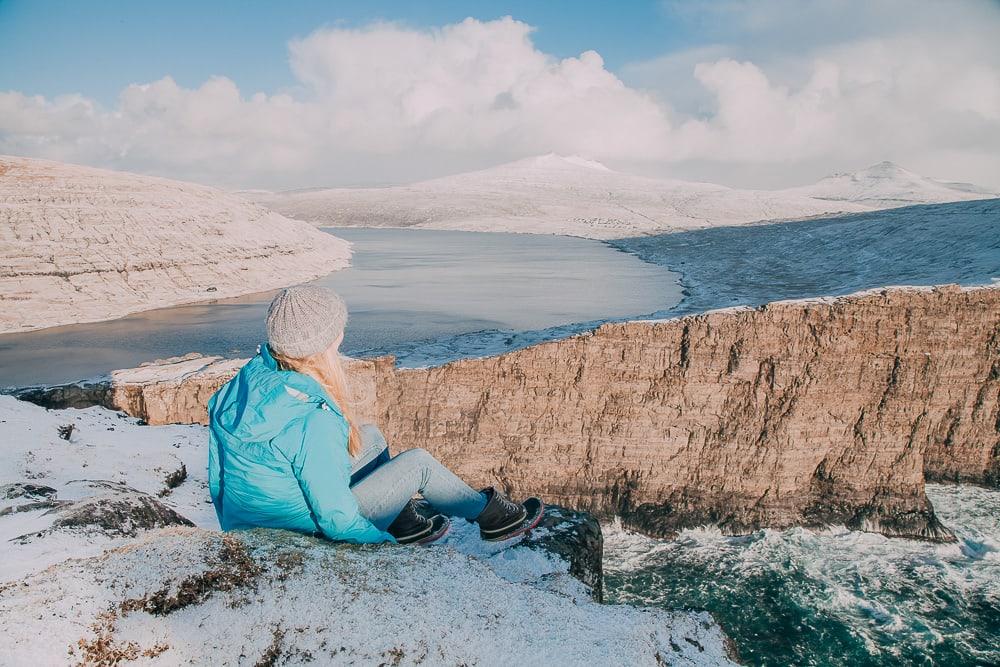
{"x": 893, "y": 595}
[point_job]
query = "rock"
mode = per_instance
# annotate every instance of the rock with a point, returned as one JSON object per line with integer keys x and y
{"x": 185, "y": 595}
{"x": 79, "y": 244}
{"x": 805, "y": 412}
{"x": 568, "y": 535}
{"x": 73, "y": 395}
{"x": 26, "y": 490}
{"x": 37, "y": 497}
{"x": 576, "y": 538}
{"x": 115, "y": 511}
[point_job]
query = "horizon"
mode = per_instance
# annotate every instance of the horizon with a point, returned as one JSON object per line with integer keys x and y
{"x": 568, "y": 158}
{"x": 762, "y": 95}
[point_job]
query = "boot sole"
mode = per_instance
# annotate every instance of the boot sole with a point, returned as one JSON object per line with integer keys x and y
{"x": 413, "y": 538}
{"x": 441, "y": 526}
{"x": 535, "y": 511}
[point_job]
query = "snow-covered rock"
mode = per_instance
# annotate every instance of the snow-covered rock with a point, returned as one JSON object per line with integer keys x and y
{"x": 887, "y": 185}
{"x": 547, "y": 194}
{"x": 99, "y": 561}
{"x": 185, "y": 595}
{"x": 79, "y": 244}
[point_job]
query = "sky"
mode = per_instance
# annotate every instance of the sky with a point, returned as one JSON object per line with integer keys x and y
{"x": 765, "y": 93}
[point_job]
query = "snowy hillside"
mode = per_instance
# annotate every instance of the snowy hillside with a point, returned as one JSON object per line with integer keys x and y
{"x": 548, "y": 194}
{"x": 102, "y": 560}
{"x": 887, "y": 185}
{"x": 551, "y": 194}
{"x": 79, "y": 244}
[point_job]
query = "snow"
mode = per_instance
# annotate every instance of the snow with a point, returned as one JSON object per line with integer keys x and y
{"x": 887, "y": 185}
{"x": 460, "y": 601}
{"x": 79, "y": 244}
{"x": 751, "y": 265}
{"x": 552, "y": 194}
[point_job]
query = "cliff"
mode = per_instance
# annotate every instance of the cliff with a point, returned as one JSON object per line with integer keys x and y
{"x": 79, "y": 244}
{"x": 796, "y": 413}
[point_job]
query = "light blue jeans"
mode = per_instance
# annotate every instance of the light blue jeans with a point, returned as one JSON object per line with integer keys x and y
{"x": 384, "y": 491}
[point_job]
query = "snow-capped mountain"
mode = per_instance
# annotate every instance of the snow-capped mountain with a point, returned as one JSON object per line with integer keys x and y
{"x": 79, "y": 244}
{"x": 547, "y": 194}
{"x": 553, "y": 194}
{"x": 887, "y": 185}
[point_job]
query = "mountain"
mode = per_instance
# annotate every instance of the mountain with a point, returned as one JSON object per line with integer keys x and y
{"x": 887, "y": 185}
{"x": 548, "y": 194}
{"x": 79, "y": 244}
{"x": 553, "y": 194}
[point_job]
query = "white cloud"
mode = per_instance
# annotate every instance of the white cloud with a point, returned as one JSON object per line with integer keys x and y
{"x": 806, "y": 87}
{"x": 386, "y": 102}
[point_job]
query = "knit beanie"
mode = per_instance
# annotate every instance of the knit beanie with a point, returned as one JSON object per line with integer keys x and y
{"x": 305, "y": 320}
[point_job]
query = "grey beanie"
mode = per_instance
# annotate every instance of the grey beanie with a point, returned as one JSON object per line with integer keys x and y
{"x": 305, "y": 320}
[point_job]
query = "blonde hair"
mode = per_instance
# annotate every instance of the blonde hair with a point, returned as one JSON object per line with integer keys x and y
{"x": 331, "y": 376}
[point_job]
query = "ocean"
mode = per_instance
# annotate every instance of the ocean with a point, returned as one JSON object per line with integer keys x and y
{"x": 833, "y": 596}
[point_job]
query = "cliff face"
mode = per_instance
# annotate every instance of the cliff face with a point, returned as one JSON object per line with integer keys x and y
{"x": 796, "y": 413}
{"x": 79, "y": 244}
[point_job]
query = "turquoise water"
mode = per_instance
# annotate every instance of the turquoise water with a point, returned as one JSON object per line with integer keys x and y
{"x": 832, "y": 597}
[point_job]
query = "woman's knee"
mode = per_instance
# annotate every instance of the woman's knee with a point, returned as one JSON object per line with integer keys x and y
{"x": 415, "y": 455}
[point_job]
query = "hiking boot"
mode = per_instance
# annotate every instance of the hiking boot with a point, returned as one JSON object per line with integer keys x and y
{"x": 503, "y": 519}
{"x": 439, "y": 527}
{"x": 410, "y": 526}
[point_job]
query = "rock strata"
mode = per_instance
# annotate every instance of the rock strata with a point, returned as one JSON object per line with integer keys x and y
{"x": 795, "y": 413}
{"x": 79, "y": 244}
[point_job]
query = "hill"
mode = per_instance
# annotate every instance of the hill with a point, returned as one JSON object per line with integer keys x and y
{"x": 79, "y": 244}
{"x": 887, "y": 185}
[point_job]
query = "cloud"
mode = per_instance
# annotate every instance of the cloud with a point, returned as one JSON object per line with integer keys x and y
{"x": 833, "y": 85}
{"x": 390, "y": 103}
{"x": 371, "y": 99}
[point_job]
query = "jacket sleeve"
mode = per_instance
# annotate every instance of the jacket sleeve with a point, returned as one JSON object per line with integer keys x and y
{"x": 323, "y": 469}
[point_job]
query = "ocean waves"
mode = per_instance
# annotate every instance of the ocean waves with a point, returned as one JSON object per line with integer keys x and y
{"x": 832, "y": 596}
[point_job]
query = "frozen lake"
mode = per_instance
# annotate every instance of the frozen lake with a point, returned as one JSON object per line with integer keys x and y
{"x": 426, "y": 295}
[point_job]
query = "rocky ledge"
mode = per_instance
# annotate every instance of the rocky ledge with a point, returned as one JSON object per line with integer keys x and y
{"x": 113, "y": 555}
{"x": 185, "y": 595}
{"x": 808, "y": 412}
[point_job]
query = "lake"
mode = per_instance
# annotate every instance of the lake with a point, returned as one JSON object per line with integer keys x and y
{"x": 428, "y": 296}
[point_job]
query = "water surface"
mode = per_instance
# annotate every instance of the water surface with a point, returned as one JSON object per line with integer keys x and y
{"x": 832, "y": 597}
{"x": 427, "y": 295}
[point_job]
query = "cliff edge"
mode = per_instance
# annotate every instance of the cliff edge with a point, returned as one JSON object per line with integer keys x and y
{"x": 113, "y": 554}
{"x": 808, "y": 412}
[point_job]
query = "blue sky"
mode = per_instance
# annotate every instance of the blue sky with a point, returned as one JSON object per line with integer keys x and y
{"x": 757, "y": 93}
{"x": 97, "y": 48}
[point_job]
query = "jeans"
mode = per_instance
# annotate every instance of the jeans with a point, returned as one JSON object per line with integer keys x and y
{"x": 383, "y": 485}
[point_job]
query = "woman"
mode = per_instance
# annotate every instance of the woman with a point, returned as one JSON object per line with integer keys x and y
{"x": 285, "y": 451}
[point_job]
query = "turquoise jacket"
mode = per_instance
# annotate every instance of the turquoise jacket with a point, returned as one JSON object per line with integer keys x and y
{"x": 278, "y": 458}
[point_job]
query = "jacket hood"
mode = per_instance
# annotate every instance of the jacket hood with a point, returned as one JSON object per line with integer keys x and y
{"x": 262, "y": 399}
